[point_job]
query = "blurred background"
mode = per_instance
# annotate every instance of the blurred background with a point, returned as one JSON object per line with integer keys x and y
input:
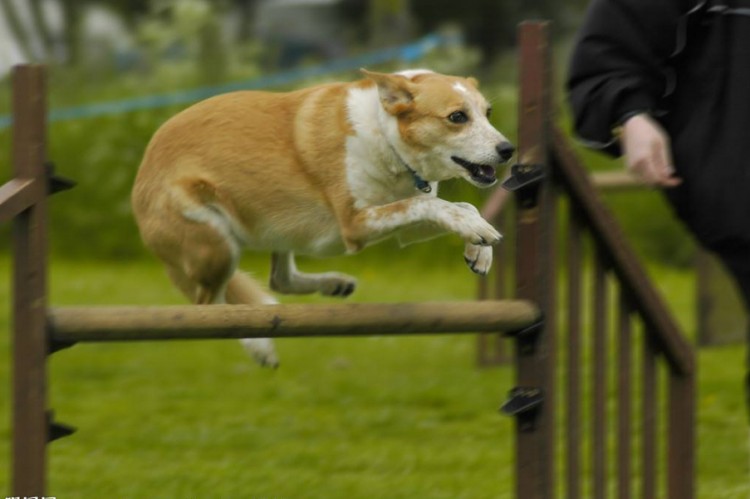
{"x": 118, "y": 69}
{"x": 126, "y": 35}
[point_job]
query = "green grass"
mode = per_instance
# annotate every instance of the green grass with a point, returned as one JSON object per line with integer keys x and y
{"x": 379, "y": 417}
{"x": 342, "y": 418}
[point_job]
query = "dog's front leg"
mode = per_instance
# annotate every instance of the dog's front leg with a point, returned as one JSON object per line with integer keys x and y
{"x": 285, "y": 278}
{"x": 378, "y": 222}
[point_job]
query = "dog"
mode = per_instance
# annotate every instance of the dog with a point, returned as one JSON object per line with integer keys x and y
{"x": 320, "y": 171}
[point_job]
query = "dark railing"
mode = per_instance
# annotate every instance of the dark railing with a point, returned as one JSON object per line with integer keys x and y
{"x": 607, "y": 331}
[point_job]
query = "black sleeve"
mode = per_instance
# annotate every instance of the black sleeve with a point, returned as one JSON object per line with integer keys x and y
{"x": 619, "y": 62}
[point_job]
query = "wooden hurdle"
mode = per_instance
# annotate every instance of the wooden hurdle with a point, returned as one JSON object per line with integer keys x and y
{"x": 39, "y": 330}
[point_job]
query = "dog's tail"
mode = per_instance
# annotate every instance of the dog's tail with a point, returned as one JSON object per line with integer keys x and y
{"x": 244, "y": 290}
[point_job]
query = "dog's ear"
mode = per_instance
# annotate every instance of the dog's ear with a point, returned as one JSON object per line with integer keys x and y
{"x": 395, "y": 91}
{"x": 473, "y": 81}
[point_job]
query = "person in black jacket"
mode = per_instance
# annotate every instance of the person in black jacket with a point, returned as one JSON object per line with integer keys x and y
{"x": 667, "y": 84}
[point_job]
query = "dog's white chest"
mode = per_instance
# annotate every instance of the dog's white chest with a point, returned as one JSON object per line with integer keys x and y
{"x": 374, "y": 174}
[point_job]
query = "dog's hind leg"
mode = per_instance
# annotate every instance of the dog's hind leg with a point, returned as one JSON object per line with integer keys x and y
{"x": 201, "y": 265}
{"x": 242, "y": 289}
{"x": 201, "y": 256}
{"x": 239, "y": 289}
{"x": 286, "y": 279}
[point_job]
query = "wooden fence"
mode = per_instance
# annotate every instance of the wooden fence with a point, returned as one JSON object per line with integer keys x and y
{"x": 617, "y": 376}
{"x": 531, "y": 318}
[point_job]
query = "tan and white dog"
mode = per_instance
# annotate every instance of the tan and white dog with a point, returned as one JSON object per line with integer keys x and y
{"x": 320, "y": 171}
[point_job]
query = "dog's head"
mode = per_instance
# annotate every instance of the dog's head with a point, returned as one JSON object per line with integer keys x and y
{"x": 440, "y": 127}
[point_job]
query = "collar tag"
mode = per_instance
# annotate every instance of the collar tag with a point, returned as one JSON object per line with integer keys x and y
{"x": 421, "y": 183}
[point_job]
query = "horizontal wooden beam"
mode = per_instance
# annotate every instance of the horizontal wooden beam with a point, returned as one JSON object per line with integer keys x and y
{"x": 102, "y": 324}
{"x": 17, "y": 195}
{"x": 618, "y": 180}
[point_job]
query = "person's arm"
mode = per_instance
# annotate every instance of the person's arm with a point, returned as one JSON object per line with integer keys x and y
{"x": 619, "y": 65}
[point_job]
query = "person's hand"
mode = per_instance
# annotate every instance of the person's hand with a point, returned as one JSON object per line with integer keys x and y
{"x": 648, "y": 153}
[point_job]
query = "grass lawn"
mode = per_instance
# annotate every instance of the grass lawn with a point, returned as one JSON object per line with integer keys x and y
{"x": 342, "y": 418}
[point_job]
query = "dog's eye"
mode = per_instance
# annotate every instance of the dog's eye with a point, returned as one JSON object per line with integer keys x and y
{"x": 458, "y": 117}
{"x": 489, "y": 112}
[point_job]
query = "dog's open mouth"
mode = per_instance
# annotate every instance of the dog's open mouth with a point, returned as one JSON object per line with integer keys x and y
{"x": 483, "y": 174}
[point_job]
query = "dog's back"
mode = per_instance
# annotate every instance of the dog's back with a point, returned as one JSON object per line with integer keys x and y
{"x": 246, "y": 155}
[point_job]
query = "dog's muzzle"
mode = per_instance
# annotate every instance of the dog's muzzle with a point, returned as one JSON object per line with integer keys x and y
{"x": 482, "y": 174}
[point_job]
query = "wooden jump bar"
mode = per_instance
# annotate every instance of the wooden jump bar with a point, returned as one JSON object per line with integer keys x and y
{"x": 618, "y": 180}
{"x": 103, "y": 324}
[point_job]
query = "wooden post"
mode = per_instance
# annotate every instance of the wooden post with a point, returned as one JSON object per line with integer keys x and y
{"x": 681, "y": 436}
{"x": 29, "y": 287}
{"x": 493, "y": 348}
{"x": 534, "y": 444}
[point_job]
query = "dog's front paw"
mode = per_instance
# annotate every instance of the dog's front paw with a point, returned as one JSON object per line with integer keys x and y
{"x": 478, "y": 258}
{"x": 470, "y": 225}
{"x": 476, "y": 230}
{"x": 262, "y": 350}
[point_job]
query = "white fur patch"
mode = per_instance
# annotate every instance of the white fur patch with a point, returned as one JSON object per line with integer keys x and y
{"x": 374, "y": 174}
{"x": 411, "y": 73}
{"x": 460, "y": 88}
{"x": 216, "y": 217}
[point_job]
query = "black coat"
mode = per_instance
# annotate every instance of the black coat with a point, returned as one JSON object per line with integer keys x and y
{"x": 686, "y": 62}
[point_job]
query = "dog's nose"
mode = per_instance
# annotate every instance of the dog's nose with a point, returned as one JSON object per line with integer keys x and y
{"x": 505, "y": 150}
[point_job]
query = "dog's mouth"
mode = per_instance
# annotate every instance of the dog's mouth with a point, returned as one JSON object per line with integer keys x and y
{"x": 481, "y": 174}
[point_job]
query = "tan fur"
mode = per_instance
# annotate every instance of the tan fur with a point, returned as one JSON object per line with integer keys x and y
{"x": 208, "y": 153}
{"x": 268, "y": 171}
